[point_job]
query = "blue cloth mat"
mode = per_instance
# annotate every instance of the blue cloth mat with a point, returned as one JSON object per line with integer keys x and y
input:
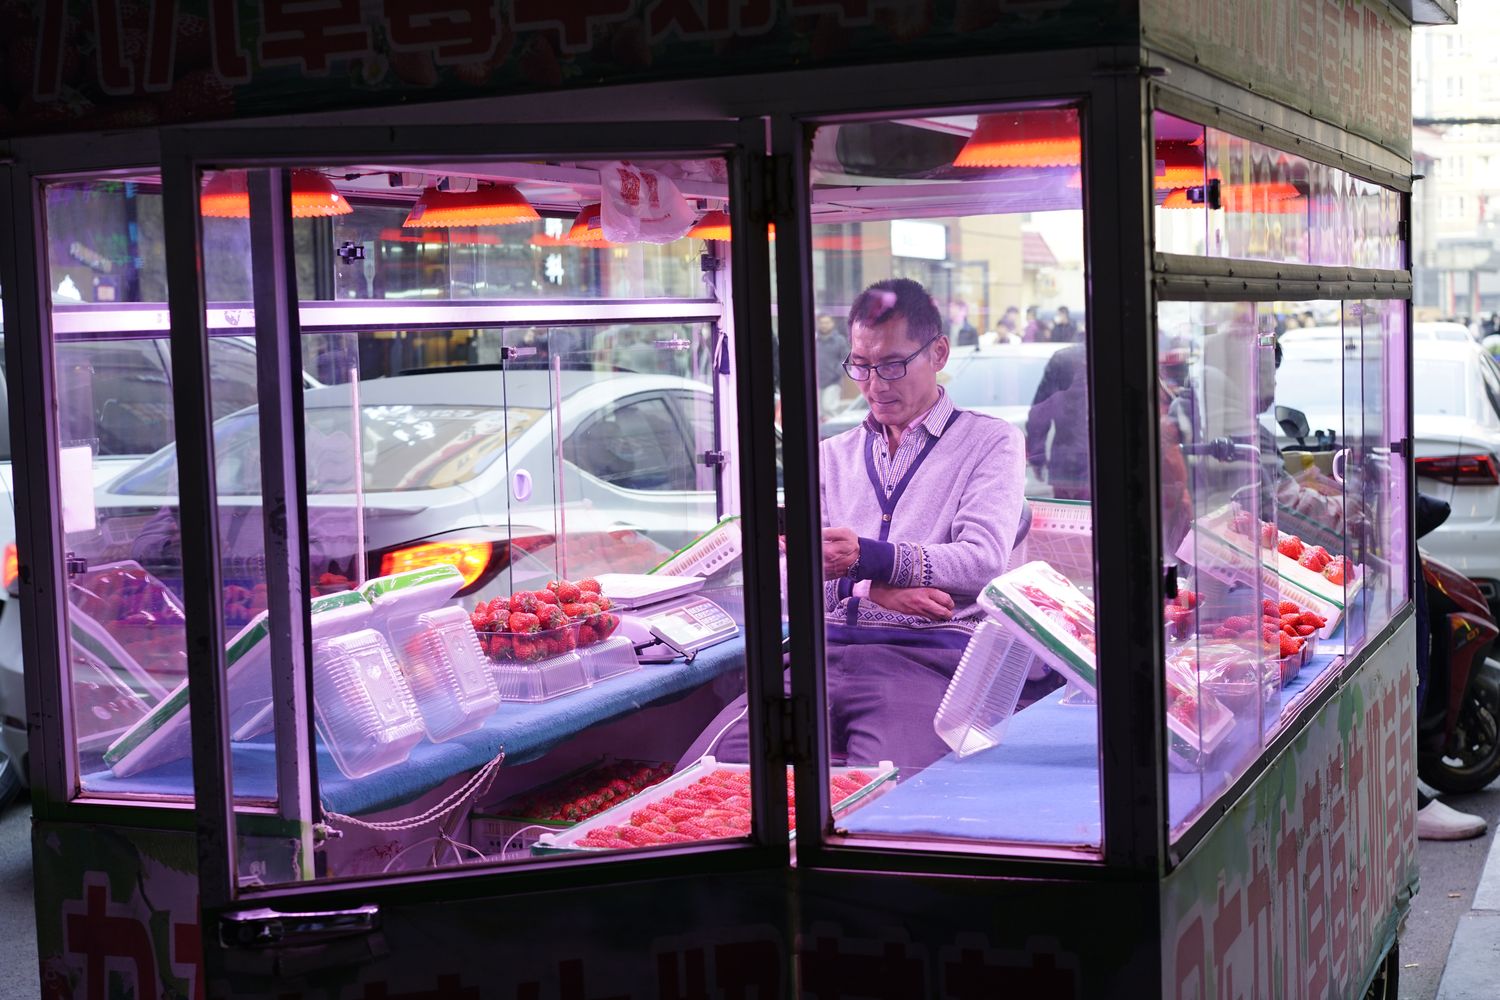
{"x": 1040, "y": 786}
{"x": 526, "y": 731}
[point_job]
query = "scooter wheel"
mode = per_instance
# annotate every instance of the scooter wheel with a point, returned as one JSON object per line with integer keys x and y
{"x": 1475, "y": 759}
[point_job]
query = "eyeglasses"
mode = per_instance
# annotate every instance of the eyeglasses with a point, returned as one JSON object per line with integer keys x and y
{"x": 889, "y": 371}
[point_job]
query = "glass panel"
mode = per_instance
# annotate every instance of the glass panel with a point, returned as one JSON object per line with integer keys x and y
{"x": 127, "y": 648}
{"x": 948, "y": 272}
{"x": 1261, "y": 200}
{"x": 1223, "y": 680}
{"x": 485, "y": 503}
{"x": 1180, "y": 186}
{"x": 1314, "y": 390}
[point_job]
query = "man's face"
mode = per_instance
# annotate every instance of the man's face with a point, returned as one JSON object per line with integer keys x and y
{"x": 899, "y": 402}
{"x": 825, "y": 325}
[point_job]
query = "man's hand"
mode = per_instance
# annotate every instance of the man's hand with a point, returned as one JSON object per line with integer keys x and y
{"x": 923, "y": 602}
{"x": 840, "y": 551}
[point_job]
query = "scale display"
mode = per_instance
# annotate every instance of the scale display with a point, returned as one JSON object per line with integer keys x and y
{"x": 685, "y": 626}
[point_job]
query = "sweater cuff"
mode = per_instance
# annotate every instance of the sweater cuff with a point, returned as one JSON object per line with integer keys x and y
{"x": 845, "y": 587}
{"x": 875, "y": 562}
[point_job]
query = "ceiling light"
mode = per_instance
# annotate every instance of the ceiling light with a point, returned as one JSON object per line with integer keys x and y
{"x": 1042, "y": 137}
{"x": 489, "y": 205}
{"x": 226, "y": 195}
{"x": 713, "y": 226}
{"x": 1178, "y": 164}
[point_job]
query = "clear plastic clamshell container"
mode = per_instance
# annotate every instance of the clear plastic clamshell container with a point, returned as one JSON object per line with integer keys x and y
{"x": 364, "y": 707}
{"x": 982, "y": 696}
{"x": 448, "y": 673}
{"x": 540, "y": 680}
{"x": 436, "y": 648}
{"x": 609, "y": 658}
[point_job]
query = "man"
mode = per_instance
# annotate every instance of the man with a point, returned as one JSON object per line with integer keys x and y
{"x": 921, "y": 504}
{"x": 1059, "y": 415}
{"x": 832, "y": 345}
{"x": 1009, "y": 326}
{"x": 1064, "y": 330}
{"x": 961, "y": 333}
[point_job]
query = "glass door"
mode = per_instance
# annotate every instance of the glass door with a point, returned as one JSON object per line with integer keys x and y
{"x": 475, "y": 559}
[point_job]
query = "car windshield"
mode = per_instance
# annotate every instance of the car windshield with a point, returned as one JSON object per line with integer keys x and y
{"x": 405, "y": 447}
{"x": 1438, "y": 388}
{"x": 1310, "y": 384}
{"x": 996, "y": 381}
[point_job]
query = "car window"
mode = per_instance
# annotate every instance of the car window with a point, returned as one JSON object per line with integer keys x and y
{"x": 635, "y": 445}
{"x": 405, "y": 447}
{"x": 698, "y": 410}
{"x": 1491, "y": 380}
{"x": 1439, "y": 388}
{"x": 996, "y": 381}
{"x": 233, "y": 374}
{"x": 131, "y": 411}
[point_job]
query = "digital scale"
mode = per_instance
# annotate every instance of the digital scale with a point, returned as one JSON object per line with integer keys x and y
{"x": 663, "y": 616}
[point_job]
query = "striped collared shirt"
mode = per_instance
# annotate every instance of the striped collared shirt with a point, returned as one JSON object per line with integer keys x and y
{"x": 891, "y": 466}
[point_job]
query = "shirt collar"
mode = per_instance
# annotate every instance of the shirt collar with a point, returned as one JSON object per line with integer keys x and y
{"x": 933, "y": 421}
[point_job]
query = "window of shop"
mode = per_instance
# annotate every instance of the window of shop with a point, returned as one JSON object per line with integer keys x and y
{"x": 507, "y": 462}
{"x": 1283, "y": 510}
{"x": 958, "y": 587}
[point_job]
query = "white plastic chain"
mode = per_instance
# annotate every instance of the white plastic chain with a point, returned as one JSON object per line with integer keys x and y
{"x": 473, "y": 788}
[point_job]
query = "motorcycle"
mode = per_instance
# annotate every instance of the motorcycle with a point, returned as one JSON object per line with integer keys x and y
{"x": 1458, "y": 724}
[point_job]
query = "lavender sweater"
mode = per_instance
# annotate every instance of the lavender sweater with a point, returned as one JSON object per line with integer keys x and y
{"x": 951, "y": 526}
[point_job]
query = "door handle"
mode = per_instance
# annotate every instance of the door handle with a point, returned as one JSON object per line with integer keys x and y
{"x": 267, "y": 928}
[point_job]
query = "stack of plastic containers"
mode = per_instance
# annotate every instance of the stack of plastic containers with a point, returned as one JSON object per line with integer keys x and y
{"x": 982, "y": 696}
{"x": 363, "y": 704}
{"x": 609, "y": 658}
{"x": 436, "y": 647}
{"x": 541, "y": 680}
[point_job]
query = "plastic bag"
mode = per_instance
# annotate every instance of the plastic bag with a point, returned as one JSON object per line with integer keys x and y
{"x": 642, "y": 206}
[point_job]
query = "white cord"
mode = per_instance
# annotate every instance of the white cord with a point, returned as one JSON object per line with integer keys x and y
{"x": 458, "y": 848}
{"x": 473, "y": 788}
{"x": 512, "y": 838}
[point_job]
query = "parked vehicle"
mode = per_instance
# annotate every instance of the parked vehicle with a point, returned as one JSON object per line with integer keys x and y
{"x": 1458, "y": 729}
{"x": 1456, "y": 401}
{"x": 123, "y": 394}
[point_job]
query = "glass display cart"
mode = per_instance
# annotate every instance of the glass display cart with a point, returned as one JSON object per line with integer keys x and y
{"x": 429, "y": 515}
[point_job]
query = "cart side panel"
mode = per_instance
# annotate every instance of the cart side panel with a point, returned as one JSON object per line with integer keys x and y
{"x": 1301, "y": 887}
{"x": 370, "y": 55}
{"x": 1346, "y": 62}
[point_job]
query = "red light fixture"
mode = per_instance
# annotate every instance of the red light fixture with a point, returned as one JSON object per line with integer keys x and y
{"x": 1178, "y": 164}
{"x": 226, "y": 195}
{"x": 1041, "y": 137}
{"x": 713, "y": 226}
{"x": 489, "y": 205}
{"x": 588, "y": 231}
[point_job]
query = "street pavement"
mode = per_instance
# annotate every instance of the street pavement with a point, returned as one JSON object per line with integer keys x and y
{"x": 1444, "y": 951}
{"x": 18, "y": 968}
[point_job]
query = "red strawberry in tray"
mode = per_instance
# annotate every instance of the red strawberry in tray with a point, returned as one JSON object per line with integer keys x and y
{"x": 1290, "y": 546}
{"x": 590, "y": 584}
{"x": 524, "y": 601}
{"x": 567, "y": 593}
{"x": 524, "y": 622}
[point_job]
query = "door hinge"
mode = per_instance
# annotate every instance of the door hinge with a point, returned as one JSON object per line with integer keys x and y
{"x": 713, "y": 458}
{"x": 789, "y": 738}
{"x": 1401, "y": 447}
{"x": 777, "y": 186}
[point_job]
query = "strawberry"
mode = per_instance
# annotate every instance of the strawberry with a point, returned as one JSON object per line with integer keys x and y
{"x": 1305, "y": 630}
{"x": 1267, "y": 534}
{"x": 523, "y": 601}
{"x": 1237, "y": 623}
{"x": 1224, "y": 633}
{"x": 605, "y": 603}
{"x": 525, "y": 649}
{"x": 573, "y": 609}
{"x": 1269, "y": 607}
{"x": 1288, "y": 608}
{"x": 1243, "y": 523}
{"x": 524, "y": 622}
{"x": 588, "y": 609}
{"x": 1290, "y": 546}
{"x": 1290, "y": 645}
{"x": 500, "y": 621}
{"x": 1314, "y": 559}
{"x": 590, "y": 584}
{"x": 1308, "y": 618}
{"x": 567, "y": 593}
{"x": 479, "y": 620}
{"x": 555, "y": 619}
{"x": 1188, "y": 599}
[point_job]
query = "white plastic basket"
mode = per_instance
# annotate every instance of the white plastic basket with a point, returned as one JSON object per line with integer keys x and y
{"x": 1062, "y": 535}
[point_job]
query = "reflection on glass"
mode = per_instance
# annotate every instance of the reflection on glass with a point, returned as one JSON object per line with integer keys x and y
{"x": 959, "y": 631}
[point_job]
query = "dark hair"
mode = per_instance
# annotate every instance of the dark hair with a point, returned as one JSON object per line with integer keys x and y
{"x": 893, "y": 297}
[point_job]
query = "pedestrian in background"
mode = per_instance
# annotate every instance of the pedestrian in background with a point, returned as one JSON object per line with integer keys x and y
{"x": 833, "y": 348}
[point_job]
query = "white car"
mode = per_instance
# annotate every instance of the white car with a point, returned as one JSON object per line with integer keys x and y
{"x": 1456, "y": 401}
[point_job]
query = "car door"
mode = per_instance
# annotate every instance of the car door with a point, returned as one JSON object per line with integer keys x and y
{"x": 639, "y": 472}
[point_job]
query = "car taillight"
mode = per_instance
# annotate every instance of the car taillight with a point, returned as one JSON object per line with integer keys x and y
{"x": 471, "y": 558}
{"x": 1460, "y": 470}
{"x": 10, "y": 569}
